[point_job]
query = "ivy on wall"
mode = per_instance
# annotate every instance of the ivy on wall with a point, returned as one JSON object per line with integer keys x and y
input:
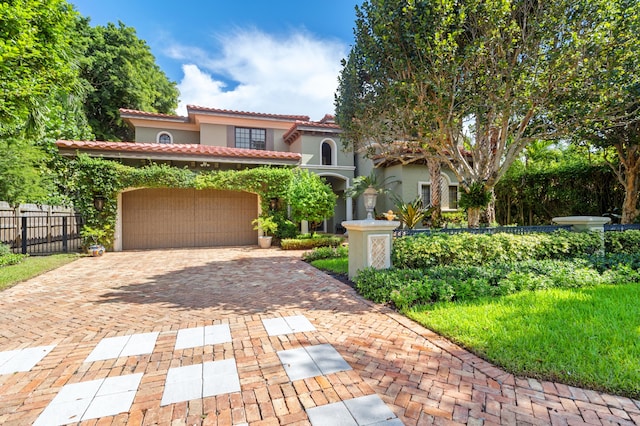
{"x": 91, "y": 177}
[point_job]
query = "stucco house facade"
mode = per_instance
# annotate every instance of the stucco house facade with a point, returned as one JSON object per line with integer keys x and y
{"x": 218, "y": 139}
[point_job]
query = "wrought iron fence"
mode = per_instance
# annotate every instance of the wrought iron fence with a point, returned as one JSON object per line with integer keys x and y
{"x": 40, "y": 235}
{"x": 620, "y": 227}
{"x": 520, "y": 230}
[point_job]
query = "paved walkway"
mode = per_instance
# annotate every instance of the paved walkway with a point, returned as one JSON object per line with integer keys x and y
{"x": 128, "y": 336}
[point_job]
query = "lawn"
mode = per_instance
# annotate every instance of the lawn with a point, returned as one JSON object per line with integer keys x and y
{"x": 587, "y": 337}
{"x": 31, "y": 267}
{"x": 337, "y": 265}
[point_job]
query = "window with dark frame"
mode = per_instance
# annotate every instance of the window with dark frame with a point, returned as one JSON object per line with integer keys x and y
{"x": 249, "y": 138}
{"x": 426, "y": 195}
{"x": 453, "y": 197}
{"x": 326, "y": 154}
{"x": 164, "y": 138}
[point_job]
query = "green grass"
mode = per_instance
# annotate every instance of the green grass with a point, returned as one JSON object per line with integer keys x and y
{"x": 338, "y": 265}
{"x": 586, "y": 337}
{"x": 31, "y": 267}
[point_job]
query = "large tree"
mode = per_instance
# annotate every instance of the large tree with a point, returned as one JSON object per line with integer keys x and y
{"x": 121, "y": 73}
{"x": 469, "y": 83}
{"x": 609, "y": 99}
{"x": 38, "y": 67}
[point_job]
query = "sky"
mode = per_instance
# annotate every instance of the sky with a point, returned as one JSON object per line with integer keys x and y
{"x": 278, "y": 56}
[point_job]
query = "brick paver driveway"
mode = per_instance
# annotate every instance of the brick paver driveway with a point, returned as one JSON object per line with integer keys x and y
{"x": 422, "y": 378}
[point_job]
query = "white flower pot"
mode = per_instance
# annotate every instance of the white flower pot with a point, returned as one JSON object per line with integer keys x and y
{"x": 264, "y": 242}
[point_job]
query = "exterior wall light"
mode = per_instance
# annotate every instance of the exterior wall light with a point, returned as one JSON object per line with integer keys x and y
{"x": 98, "y": 202}
{"x": 370, "y": 196}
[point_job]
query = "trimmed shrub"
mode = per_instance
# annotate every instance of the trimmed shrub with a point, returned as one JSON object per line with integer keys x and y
{"x": 325, "y": 253}
{"x": 423, "y": 251}
{"x": 626, "y": 242}
{"x": 309, "y": 243}
{"x": 408, "y": 287}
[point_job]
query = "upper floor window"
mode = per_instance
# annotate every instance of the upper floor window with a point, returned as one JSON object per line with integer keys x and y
{"x": 164, "y": 137}
{"x": 251, "y": 138}
{"x": 327, "y": 157}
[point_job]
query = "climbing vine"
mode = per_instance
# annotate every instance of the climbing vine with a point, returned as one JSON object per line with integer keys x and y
{"x": 91, "y": 177}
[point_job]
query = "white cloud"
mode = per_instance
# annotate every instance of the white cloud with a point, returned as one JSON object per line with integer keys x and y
{"x": 296, "y": 74}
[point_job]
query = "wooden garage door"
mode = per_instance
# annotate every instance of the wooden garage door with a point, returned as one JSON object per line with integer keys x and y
{"x": 173, "y": 218}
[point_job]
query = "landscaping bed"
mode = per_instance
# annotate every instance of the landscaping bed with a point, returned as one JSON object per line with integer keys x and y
{"x": 549, "y": 306}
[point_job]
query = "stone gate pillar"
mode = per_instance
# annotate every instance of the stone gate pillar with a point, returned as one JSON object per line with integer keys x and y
{"x": 370, "y": 243}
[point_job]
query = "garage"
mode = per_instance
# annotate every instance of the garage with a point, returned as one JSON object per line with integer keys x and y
{"x": 179, "y": 218}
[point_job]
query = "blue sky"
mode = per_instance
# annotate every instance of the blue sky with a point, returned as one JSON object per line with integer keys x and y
{"x": 280, "y": 56}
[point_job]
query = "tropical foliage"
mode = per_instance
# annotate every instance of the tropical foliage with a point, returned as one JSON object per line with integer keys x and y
{"x": 60, "y": 78}
{"x": 307, "y": 194}
{"x": 472, "y": 83}
{"x": 121, "y": 72}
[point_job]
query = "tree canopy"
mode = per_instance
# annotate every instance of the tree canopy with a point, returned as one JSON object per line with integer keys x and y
{"x": 469, "y": 83}
{"x": 609, "y": 99}
{"x": 62, "y": 79}
{"x": 36, "y": 59}
{"x": 121, "y": 72}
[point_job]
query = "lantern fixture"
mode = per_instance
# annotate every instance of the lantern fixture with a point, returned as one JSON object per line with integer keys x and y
{"x": 370, "y": 196}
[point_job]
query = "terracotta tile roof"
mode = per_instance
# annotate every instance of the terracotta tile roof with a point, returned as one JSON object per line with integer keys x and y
{"x": 191, "y": 108}
{"x": 129, "y": 113}
{"x": 328, "y": 118}
{"x": 300, "y": 126}
{"x": 179, "y": 149}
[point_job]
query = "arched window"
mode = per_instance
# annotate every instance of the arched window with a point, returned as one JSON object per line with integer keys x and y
{"x": 328, "y": 153}
{"x": 164, "y": 137}
{"x": 448, "y": 193}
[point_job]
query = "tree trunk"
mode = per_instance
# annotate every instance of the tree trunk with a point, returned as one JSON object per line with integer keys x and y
{"x": 488, "y": 215}
{"x": 473, "y": 217}
{"x": 630, "y": 205}
{"x": 435, "y": 175}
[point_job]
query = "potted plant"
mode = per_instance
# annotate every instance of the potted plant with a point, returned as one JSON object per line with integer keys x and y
{"x": 369, "y": 187}
{"x": 93, "y": 238}
{"x": 268, "y": 227}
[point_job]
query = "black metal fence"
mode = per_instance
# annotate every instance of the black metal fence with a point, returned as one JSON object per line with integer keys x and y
{"x": 619, "y": 227}
{"x": 42, "y": 235}
{"x": 520, "y": 230}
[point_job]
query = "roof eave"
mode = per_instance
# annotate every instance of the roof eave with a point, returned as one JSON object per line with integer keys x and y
{"x": 72, "y": 152}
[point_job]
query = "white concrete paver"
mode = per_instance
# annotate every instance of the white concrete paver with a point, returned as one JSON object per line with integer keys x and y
{"x": 312, "y": 361}
{"x": 120, "y": 346}
{"x": 91, "y": 400}
{"x": 201, "y": 336}
{"x": 299, "y": 323}
{"x": 287, "y": 325}
{"x": 22, "y": 359}
{"x": 367, "y": 410}
{"x": 140, "y": 344}
{"x": 201, "y": 380}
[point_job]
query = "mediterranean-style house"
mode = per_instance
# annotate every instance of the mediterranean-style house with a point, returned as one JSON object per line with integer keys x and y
{"x": 218, "y": 139}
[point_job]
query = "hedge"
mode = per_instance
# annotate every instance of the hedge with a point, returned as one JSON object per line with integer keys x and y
{"x": 626, "y": 242}
{"x": 310, "y": 243}
{"x": 408, "y": 287}
{"x": 422, "y": 251}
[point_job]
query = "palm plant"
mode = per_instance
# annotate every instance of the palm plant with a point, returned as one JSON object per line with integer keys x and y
{"x": 361, "y": 183}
